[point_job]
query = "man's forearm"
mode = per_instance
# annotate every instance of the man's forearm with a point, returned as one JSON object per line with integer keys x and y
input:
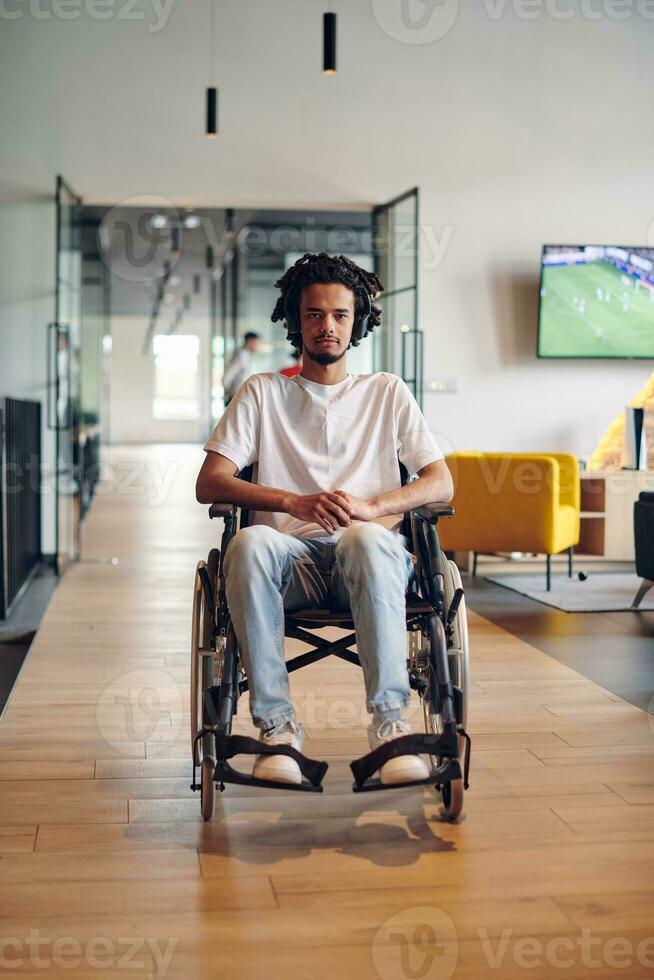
{"x": 424, "y": 490}
{"x": 229, "y": 489}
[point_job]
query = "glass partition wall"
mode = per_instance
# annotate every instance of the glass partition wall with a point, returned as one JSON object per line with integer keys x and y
{"x": 397, "y": 258}
{"x": 95, "y": 346}
{"x": 64, "y": 364}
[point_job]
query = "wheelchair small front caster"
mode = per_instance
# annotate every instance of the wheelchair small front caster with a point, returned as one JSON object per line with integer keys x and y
{"x": 452, "y": 798}
{"x": 582, "y": 576}
{"x": 208, "y": 788}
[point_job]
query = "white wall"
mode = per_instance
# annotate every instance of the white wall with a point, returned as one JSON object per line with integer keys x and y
{"x": 131, "y": 379}
{"x": 518, "y": 129}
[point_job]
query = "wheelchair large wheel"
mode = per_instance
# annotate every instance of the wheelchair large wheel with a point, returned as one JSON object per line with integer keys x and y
{"x": 459, "y": 652}
{"x": 452, "y": 793}
{"x": 202, "y": 666}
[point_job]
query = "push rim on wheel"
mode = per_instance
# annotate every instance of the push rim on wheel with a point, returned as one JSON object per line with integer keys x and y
{"x": 202, "y": 643}
{"x": 196, "y": 656}
{"x": 459, "y": 653}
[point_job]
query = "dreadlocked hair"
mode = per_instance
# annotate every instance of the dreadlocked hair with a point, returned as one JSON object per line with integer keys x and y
{"x": 325, "y": 268}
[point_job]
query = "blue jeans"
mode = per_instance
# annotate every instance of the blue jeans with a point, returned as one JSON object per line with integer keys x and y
{"x": 367, "y": 570}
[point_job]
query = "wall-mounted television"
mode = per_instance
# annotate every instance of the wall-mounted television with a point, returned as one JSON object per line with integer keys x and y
{"x": 596, "y": 301}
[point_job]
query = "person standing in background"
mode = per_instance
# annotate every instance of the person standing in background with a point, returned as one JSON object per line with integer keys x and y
{"x": 240, "y": 366}
{"x": 293, "y": 369}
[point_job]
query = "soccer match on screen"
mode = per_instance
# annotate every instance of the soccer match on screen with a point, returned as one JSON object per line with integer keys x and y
{"x": 596, "y": 301}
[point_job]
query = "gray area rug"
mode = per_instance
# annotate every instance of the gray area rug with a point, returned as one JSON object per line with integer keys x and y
{"x": 601, "y": 592}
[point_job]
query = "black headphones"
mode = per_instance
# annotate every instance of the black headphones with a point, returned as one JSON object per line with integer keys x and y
{"x": 359, "y": 330}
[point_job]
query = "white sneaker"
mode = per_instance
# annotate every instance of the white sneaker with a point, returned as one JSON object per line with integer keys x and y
{"x": 403, "y": 768}
{"x": 280, "y": 768}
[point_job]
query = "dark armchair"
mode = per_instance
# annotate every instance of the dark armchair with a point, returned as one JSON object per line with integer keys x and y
{"x": 644, "y": 540}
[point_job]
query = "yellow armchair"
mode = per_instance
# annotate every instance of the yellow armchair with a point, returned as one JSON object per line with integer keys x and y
{"x": 514, "y": 502}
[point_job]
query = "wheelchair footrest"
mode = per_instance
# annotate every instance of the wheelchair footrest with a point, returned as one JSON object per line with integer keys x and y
{"x": 445, "y": 773}
{"x": 227, "y": 746}
{"x": 445, "y": 746}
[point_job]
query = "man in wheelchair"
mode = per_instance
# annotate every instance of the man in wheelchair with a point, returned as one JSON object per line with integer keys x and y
{"x": 324, "y": 446}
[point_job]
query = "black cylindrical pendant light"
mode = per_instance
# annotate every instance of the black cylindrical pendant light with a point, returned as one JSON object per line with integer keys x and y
{"x": 329, "y": 43}
{"x": 212, "y": 113}
{"x": 174, "y": 241}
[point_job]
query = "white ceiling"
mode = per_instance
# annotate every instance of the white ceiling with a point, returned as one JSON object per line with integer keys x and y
{"x": 117, "y": 106}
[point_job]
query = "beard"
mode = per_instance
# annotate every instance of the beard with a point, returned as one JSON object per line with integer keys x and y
{"x": 322, "y": 357}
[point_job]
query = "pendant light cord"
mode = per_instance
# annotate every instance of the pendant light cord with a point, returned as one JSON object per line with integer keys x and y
{"x": 212, "y": 41}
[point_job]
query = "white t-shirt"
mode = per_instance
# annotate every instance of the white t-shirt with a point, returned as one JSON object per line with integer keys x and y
{"x": 309, "y": 438}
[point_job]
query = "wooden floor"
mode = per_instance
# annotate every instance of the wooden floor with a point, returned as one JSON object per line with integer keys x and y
{"x": 105, "y": 856}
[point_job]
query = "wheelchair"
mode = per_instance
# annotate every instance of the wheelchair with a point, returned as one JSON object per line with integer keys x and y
{"x": 437, "y": 662}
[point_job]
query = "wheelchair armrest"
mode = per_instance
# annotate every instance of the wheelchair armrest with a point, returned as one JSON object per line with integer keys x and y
{"x": 432, "y": 511}
{"x": 222, "y": 510}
